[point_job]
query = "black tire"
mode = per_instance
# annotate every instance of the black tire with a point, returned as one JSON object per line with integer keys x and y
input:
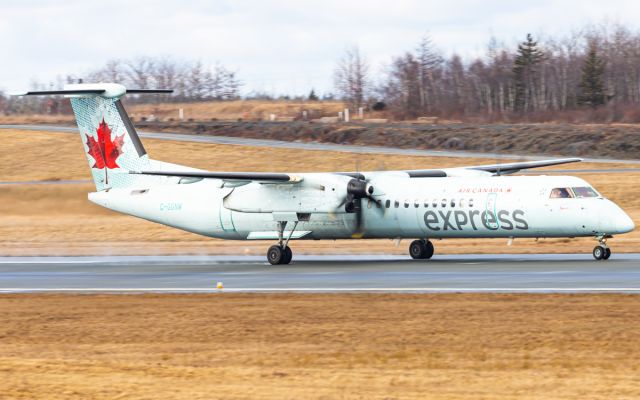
{"x": 275, "y": 255}
{"x": 428, "y": 250}
{"x": 599, "y": 252}
{"x": 288, "y": 255}
{"x": 607, "y": 253}
{"x": 417, "y": 249}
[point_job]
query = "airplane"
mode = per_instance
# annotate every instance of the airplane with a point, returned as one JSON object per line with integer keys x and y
{"x": 424, "y": 204}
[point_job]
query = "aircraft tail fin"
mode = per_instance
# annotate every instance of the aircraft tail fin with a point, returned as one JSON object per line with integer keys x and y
{"x": 110, "y": 140}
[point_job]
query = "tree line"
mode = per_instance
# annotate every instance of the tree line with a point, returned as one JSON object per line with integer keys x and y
{"x": 190, "y": 80}
{"x": 592, "y": 74}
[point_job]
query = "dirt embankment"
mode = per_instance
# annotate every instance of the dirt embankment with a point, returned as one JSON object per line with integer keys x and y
{"x": 601, "y": 141}
{"x": 319, "y": 346}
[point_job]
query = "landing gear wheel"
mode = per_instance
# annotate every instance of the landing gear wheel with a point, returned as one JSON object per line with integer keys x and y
{"x": 288, "y": 255}
{"x": 429, "y": 250}
{"x": 275, "y": 255}
{"x": 599, "y": 252}
{"x": 607, "y": 254}
{"x": 417, "y": 249}
{"x": 421, "y": 249}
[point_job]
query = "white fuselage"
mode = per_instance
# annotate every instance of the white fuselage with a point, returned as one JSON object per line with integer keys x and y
{"x": 451, "y": 207}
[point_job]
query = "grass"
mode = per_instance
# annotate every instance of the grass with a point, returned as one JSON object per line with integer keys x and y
{"x": 233, "y": 110}
{"x": 58, "y": 219}
{"x": 315, "y": 346}
{"x": 205, "y": 111}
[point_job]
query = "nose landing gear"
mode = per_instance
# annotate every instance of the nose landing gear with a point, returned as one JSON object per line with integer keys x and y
{"x": 421, "y": 249}
{"x": 602, "y": 251}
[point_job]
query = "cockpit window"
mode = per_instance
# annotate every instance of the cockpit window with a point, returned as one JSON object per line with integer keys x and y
{"x": 584, "y": 192}
{"x": 560, "y": 193}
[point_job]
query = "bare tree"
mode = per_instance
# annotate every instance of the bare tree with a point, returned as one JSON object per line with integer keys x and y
{"x": 3, "y": 102}
{"x": 139, "y": 72}
{"x": 429, "y": 65}
{"x": 351, "y": 78}
{"x": 401, "y": 89}
{"x": 167, "y": 75}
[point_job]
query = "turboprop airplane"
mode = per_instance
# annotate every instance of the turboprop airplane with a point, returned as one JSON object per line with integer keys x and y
{"x": 423, "y": 204}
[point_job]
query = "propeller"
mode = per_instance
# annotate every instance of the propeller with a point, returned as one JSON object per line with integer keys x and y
{"x": 357, "y": 189}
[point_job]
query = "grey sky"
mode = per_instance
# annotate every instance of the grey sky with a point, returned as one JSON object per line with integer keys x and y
{"x": 276, "y": 46}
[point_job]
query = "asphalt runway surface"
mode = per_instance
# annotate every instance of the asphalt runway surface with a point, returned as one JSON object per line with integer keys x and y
{"x": 543, "y": 273}
{"x": 314, "y": 145}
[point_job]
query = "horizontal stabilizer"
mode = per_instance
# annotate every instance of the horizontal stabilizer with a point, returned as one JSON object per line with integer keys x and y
{"x": 56, "y": 92}
{"x": 136, "y": 91}
{"x": 106, "y": 90}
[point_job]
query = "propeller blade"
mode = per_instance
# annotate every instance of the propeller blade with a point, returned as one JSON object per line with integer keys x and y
{"x": 344, "y": 201}
{"x": 358, "y": 231}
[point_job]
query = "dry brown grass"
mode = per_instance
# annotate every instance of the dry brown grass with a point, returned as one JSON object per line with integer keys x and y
{"x": 40, "y": 220}
{"x": 36, "y": 119}
{"x": 314, "y": 346}
{"x": 233, "y": 110}
{"x": 204, "y": 111}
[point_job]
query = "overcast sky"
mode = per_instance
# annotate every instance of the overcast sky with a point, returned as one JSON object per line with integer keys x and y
{"x": 286, "y": 46}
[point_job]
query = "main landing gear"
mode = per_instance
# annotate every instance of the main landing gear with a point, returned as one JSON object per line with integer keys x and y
{"x": 602, "y": 251}
{"x": 281, "y": 253}
{"x": 421, "y": 249}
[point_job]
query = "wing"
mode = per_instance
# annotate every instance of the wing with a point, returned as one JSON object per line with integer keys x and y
{"x": 502, "y": 169}
{"x": 494, "y": 169}
{"x": 227, "y": 176}
{"x": 272, "y": 177}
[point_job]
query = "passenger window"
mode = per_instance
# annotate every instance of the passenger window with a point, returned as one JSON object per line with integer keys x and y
{"x": 426, "y": 203}
{"x": 434, "y": 203}
{"x": 378, "y": 203}
{"x": 560, "y": 193}
{"x": 453, "y": 203}
{"x": 470, "y": 203}
{"x": 388, "y": 203}
{"x": 406, "y": 203}
{"x": 416, "y": 203}
{"x": 444, "y": 203}
{"x": 396, "y": 204}
{"x": 461, "y": 203}
{"x": 581, "y": 192}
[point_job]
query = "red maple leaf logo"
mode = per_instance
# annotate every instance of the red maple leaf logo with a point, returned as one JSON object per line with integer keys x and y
{"x": 104, "y": 150}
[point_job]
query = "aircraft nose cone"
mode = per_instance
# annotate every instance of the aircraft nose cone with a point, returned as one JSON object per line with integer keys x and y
{"x": 614, "y": 220}
{"x": 624, "y": 223}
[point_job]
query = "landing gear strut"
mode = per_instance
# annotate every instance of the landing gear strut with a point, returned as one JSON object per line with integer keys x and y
{"x": 281, "y": 253}
{"x": 602, "y": 251}
{"x": 421, "y": 249}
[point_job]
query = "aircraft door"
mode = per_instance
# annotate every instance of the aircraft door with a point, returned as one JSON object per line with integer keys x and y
{"x": 226, "y": 220}
{"x": 584, "y": 221}
{"x": 491, "y": 215}
{"x": 226, "y": 217}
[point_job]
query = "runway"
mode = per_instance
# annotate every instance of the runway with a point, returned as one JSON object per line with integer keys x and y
{"x": 240, "y": 141}
{"x": 544, "y": 273}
